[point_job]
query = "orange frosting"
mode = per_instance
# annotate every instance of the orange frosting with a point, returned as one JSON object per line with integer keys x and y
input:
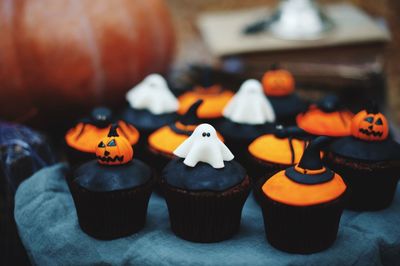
{"x": 317, "y": 122}
{"x": 86, "y": 137}
{"x": 166, "y": 140}
{"x": 282, "y": 189}
{"x": 272, "y": 149}
{"x": 214, "y": 101}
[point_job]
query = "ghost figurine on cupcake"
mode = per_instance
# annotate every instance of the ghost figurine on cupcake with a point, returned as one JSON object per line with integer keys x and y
{"x": 151, "y": 105}
{"x": 205, "y": 189}
{"x": 247, "y": 116}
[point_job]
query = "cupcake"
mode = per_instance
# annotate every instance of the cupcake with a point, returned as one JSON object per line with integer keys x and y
{"x": 247, "y": 116}
{"x": 279, "y": 86}
{"x": 303, "y": 204}
{"x": 214, "y": 100}
{"x": 276, "y": 151}
{"x": 111, "y": 193}
{"x": 205, "y": 189}
{"x": 163, "y": 142}
{"x": 151, "y": 106}
{"x": 368, "y": 160}
{"x": 83, "y": 138}
{"x": 326, "y": 118}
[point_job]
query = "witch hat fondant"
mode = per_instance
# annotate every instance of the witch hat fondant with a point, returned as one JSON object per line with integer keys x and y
{"x": 310, "y": 169}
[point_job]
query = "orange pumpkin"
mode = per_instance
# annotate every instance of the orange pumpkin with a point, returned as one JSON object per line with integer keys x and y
{"x": 278, "y": 82}
{"x": 370, "y": 126}
{"x": 113, "y": 149}
{"x": 67, "y": 56}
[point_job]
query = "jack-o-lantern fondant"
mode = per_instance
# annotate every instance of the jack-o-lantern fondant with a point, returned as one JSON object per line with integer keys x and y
{"x": 278, "y": 82}
{"x": 370, "y": 126}
{"x": 114, "y": 149}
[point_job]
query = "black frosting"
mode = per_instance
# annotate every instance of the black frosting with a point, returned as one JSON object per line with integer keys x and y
{"x": 285, "y": 106}
{"x": 96, "y": 177}
{"x": 358, "y": 149}
{"x": 203, "y": 177}
{"x": 145, "y": 120}
{"x": 246, "y": 132}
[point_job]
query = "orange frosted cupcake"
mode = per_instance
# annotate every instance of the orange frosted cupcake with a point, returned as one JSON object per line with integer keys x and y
{"x": 271, "y": 153}
{"x": 303, "y": 204}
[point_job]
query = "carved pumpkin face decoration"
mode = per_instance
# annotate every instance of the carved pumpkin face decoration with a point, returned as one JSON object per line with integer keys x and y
{"x": 278, "y": 82}
{"x": 113, "y": 149}
{"x": 370, "y": 126}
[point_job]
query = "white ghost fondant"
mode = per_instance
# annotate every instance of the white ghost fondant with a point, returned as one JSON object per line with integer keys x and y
{"x": 153, "y": 95}
{"x": 249, "y": 105}
{"x": 204, "y": 146}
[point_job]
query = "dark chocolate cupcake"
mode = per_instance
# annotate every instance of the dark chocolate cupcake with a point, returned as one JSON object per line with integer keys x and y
{"x": 271, "y": 153}
{"x": 151, "y": 106}
{"x": 279, "y": 86}
{"x": 83, "y": 138}
{"x": 205, "y": 189}
{"x": 247, "y": 116}
{"x": 111, "y": 194}
{"x": 369, "y": 161}
{"x": 326, "y": 118}
{"x": 302, "y": 205}
{"x": 214, "y": 100}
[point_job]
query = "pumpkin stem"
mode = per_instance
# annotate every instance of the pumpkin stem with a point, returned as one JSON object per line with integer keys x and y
{"x": 113, "y": 131}
{"x": 275, "y": 66}
{"x": 190, "y": 117}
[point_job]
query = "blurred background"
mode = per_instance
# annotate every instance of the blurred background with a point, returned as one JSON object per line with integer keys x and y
{"x": 191, "y": 47}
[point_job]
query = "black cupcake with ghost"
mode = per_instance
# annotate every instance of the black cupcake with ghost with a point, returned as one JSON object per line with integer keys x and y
{"x": 204, "y": 188}
{"x": 151, "y": 106}
{"x": 247, "y": 116}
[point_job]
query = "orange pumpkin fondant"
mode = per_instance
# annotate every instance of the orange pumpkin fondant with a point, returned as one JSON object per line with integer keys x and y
{"x": 85, "y": 137}
{"x": 214, "y": 101}
{"x": 272, "y": 149}
{"x": 278, "y": 82}
{"x": 320, "y": 123}
{"x": 71, "y": 55}
{"x": 280, "y": 188}
{"x": 370, "y": 126}
{"x": 114, "y": 149}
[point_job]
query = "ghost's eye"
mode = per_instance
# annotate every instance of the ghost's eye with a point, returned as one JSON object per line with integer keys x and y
{"x": 111, "y": 143}
{"x": 208, "y": 134}
{"x": 101, "y": 145}
{"x": 204, "y": 134}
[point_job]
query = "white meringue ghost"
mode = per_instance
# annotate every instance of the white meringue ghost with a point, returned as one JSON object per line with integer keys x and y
{"x": 154, "y": 95}
{"x": 249, "y": 105}
{"x": 204, "y": 146}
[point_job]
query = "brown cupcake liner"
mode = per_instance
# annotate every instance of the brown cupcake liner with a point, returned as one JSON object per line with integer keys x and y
{"x": 206, "y": 216}
{"x": 302, "y": 230}
{"x": 369, "y": 189}
{"x": 263, "y": 170}
{"x": 111, "y": 214}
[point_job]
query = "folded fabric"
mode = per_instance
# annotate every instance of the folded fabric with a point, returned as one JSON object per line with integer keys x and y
{"x": 48, "y": 226}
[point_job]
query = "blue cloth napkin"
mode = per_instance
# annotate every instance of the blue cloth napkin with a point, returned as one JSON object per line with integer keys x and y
{"x": 48, "y": 226}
